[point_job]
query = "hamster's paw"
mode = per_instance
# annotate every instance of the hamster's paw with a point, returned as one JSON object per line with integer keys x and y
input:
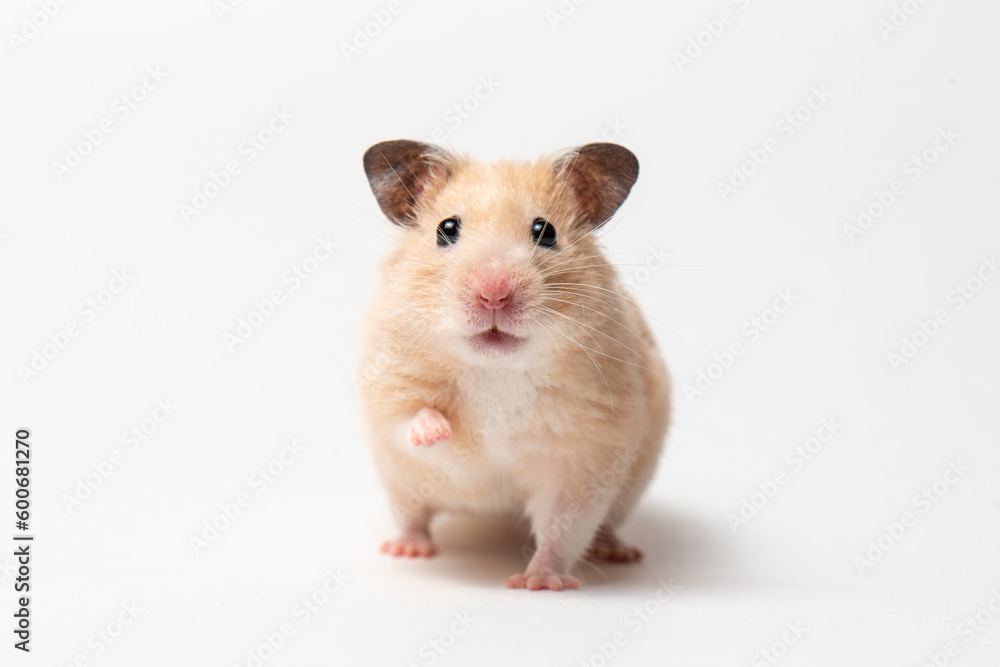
{"x": 607, "y": 548}
{"x": 538, "y": 582}
{"x": 619, "y": 553}
{"x": 428, "y": 427}
{"x": 411, "y": 546}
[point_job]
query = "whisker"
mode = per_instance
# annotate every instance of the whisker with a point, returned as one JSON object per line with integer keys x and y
{"x": 652, "y": 316}
{"x": 599, "y": 348}
{"x": 624, "y": 361}
{"x": 611, "y": 399}
{"x": 389, "y": 164}
{"x": 628, "y": 329}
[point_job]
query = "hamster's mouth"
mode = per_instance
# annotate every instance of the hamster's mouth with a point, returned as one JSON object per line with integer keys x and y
{"x": 495, "y": 342}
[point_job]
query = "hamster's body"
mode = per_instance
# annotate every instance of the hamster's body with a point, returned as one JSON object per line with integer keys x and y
{"x": 506, "y": 369}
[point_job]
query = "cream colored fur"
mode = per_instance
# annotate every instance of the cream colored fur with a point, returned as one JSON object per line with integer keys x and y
{"x": 569, "y": 428}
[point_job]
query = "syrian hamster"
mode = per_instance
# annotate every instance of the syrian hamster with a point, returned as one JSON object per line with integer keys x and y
{"x": 505, "y": 367}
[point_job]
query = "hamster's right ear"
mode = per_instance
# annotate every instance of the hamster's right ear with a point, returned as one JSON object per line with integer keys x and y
{"x": 601, "y": 176}
{"x": 400, "y": 173}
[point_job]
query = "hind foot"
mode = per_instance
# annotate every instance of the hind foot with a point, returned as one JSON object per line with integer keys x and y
{"x": 607, "y": 548}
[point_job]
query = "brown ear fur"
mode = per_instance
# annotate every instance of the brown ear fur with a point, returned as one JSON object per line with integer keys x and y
{"x": 601, "y": 176}
{"x": 399, "y": 172}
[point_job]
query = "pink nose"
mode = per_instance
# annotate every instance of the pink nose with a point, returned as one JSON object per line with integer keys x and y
{"x": 493, "y": 289}
{"x": 494, "y": 299}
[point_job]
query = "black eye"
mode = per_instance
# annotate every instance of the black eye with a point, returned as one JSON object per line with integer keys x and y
{"x": 448, "y": 231}
{"x": 543, "y": 233}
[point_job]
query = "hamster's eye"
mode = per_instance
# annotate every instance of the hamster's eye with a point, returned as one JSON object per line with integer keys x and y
{"x": 447, "y": 233}
{"x": 543, "y": 233}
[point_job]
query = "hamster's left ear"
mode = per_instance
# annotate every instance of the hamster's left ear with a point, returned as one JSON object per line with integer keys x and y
{"x": 400, "y": 173}
{"x": 601, "y": 176}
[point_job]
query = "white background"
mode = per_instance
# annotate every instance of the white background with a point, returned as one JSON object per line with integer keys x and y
{"x": 558, "y": 84}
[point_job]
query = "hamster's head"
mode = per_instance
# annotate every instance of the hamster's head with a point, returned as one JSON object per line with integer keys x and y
{"x": 492, "y": 259}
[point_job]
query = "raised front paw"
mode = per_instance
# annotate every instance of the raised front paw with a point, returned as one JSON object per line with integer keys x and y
{"x": 428, "y": 427}
{"x": 538, "y": 582}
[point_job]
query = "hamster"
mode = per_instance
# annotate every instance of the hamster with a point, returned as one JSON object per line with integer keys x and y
{"x": 506, "y": 369}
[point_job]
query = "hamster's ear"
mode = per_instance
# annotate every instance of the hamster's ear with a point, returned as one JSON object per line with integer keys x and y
{"x": 601, "y": 176}
{"x": 400, "y": 172}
